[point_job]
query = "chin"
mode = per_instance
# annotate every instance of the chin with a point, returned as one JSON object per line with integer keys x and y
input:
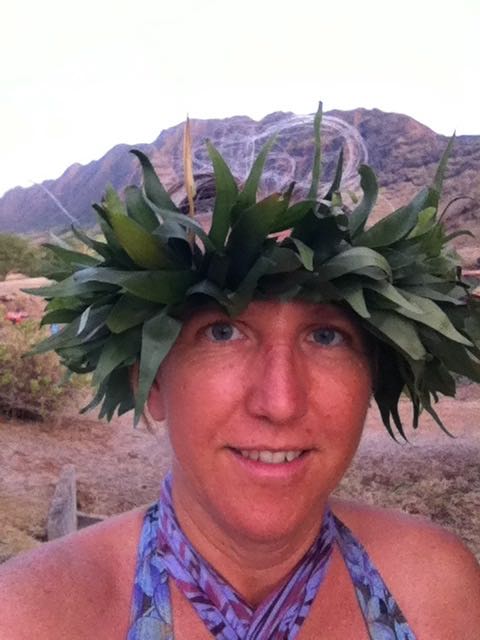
{"x": 266, "y": 523}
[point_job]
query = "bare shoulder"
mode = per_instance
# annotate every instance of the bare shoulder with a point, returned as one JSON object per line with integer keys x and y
{"x": 74, "y": 586}
{"x": 430, "y": 572}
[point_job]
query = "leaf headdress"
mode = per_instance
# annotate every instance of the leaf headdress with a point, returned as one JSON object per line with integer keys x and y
{"x": 399, "y": 277}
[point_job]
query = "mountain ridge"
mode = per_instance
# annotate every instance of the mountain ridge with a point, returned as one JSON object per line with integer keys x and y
{"x": 402, "y": 151}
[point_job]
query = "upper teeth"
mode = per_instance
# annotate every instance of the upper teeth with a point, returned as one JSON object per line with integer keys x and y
{"x": 271, "y": 457}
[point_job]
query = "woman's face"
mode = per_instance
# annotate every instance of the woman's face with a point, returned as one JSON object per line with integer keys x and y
{"x": 264, "y": 412}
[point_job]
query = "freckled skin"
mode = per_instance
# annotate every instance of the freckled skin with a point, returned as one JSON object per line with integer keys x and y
{"x": 273, "y": 386}
{"x": 289, "y": 376}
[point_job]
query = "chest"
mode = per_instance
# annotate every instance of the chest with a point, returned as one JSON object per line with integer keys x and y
{"x": 335, "y": 614}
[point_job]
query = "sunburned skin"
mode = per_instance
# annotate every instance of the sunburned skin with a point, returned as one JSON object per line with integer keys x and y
{"x": 279, "y": 378}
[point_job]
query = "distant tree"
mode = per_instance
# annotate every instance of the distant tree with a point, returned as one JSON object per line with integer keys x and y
{"x": 18, "y": 254}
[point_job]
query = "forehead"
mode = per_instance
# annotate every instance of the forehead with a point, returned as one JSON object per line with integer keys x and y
{"x": 280, "y": 313}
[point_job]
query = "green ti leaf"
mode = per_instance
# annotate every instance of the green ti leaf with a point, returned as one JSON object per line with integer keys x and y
{"x": 112, "y": 202}
{"x": 249, "y": 232}
{"x": 158, "y": 336}
{"x": 432, "y": 316}
{"x": 389, "y": 383}
{"x": 444, "y": 292}
{"x": 311, "y": 228}
{"x": 247, "y": 196}
{"x": 71, "y": 287}
{"x": 354, "y": 297}
{"x": 305, "y": 253}
{"x": 442, "y": 165}
{"x": 395, "y": 226}
{"x": 118, "y": 349}
{"x": 337, "y": 178}
{"x": 71, "y": 336}
{"x": 317, "y": 157}
{"x": 154, "y": 189}
{"x": 59, "y": 316}
{"x": 294, "y": 214}
{"x": 116, "y": 393}
{"x": 285, "y": 259}
{"x": 369, "y": 186}
{"x": 392, "y": 294}
{"x": 454, "y": 356}
{"x": 139, "y": 210}
{"x": 143, "y": 248}
{"x": 400, "y": 332}
{"x": 208, "y": 289}
{"x": 72, "y": 258}
{"x": 129, "y": 311}
{"x": 164, "y": 287}
{"x": 242, "y": 296}
{"x": 359, "y": 260}
{"x": 101, "y": 248}
{"x": 184, "y": 221}
{"x": 226, "y": 196}
{"x": 425, "y": 224}
{"x": 107, "y": 231}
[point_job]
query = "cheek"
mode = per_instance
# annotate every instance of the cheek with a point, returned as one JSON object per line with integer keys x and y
{"x": 342, "y": 400}
{"x": 204, "y": 396}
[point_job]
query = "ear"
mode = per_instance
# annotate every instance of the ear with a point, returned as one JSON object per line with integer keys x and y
{"x": 155, "y": 402}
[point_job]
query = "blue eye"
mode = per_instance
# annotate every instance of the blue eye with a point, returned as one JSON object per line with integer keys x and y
{"x": 327, "y": 337}
{"x": 222, "y": 332}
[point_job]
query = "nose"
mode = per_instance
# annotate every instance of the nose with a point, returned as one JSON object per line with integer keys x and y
{"x": 278, "y": 388}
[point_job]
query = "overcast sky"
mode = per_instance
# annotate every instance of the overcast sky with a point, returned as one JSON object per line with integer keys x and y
{"x": 78, "y": 78}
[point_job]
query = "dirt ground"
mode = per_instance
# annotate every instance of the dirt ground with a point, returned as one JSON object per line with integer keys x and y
{"x": 119, "y": 468}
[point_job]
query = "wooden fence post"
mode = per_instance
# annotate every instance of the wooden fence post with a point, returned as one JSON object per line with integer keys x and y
{"x": 62, "y": 514}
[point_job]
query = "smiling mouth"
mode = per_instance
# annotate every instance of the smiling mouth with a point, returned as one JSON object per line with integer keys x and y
{"x": 270, "y": 457}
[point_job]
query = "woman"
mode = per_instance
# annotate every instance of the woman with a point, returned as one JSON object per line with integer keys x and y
{"x": 261, "y": 355}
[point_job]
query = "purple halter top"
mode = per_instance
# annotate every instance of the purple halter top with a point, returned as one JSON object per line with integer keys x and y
{"x": 165, "y": 552}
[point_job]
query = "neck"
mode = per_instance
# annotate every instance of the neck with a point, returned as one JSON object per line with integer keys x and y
{"x": 253, "y": 567}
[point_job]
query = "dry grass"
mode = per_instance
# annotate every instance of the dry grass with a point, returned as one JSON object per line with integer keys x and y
{"x": 119, "y": 468}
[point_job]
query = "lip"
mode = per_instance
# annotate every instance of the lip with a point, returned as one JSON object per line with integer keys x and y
{"x": 263, "y": 470}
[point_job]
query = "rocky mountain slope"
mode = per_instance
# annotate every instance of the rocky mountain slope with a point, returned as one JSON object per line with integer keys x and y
{"x": 402, "y": 151}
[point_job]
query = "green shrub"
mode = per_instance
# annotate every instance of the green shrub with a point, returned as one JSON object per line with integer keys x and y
{"x": 19, "y": 254}
{"x": 32, "y": 387}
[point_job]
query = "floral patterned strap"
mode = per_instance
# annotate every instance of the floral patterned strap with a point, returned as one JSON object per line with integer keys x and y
{"x": 382, "y": 615}
{"x": 151, "y": 606}
{"x": 151, "y": 617}
{"x": 223, "y": 611}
